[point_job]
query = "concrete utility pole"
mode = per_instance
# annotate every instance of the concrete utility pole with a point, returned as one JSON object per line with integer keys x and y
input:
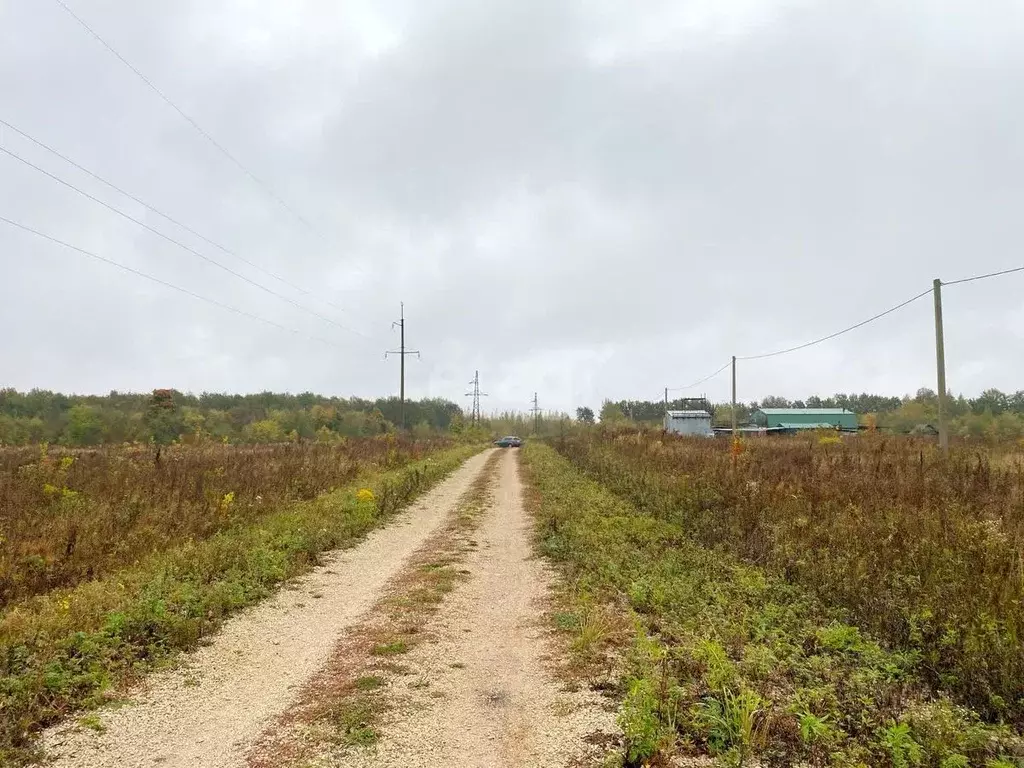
{"x": 666, "y": 399}
{"x": 940, "y": 364}
{"x": 402, "y": 352}
{"x": 476, "y": 394}
{"x": 536, "y": 415}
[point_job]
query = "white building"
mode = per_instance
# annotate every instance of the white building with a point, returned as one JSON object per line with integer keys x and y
{"x": 689, "y": 423}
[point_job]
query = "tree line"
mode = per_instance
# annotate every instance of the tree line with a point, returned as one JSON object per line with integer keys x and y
{"x": 83, "y": 420}
{"x": 166, "y": 415}
{"x": 993, "y": 413}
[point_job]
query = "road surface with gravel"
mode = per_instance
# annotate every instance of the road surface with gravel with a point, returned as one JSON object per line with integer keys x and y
{"x": 499, "y": 703}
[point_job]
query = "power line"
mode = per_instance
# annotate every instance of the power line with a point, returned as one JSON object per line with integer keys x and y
{"x": 984, "y": 277}
{"x": 202, "y": 132}
{"x": 837, "y": 333}
{"x": 806, "y": 344}
{"x": 156, "y": 210}
{"x": 701, "y": 381}
{"x": 871, "y": 319}
{"x": 854, "y": 327}
{"x": 178, "y": 243}
{"x": 159, "y": 281}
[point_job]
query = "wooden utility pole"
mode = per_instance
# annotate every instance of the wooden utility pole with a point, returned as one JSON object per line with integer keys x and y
{"x": 940, "y": 364}
{"x": 402, "y": 352}
{"x": 734, "y": 400}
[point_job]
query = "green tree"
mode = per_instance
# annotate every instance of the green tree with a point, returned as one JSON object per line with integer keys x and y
{"x": 13, "y": 431}
{"x": 85, "y": 426}
{"x": 585, "y": 415}
{"x": 162, "y": 419}
{"x": 611, "y": 413}
{"x": 264, "y": 431}
{"x": 991, "y": 400}
{"x": 457, "y": 425}
{"x": 192, "y": 420}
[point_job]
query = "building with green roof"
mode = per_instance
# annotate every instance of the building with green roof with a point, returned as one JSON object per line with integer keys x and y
{"x": 805, "y": 418}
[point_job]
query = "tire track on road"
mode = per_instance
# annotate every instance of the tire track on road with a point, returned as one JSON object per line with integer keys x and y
{"x": 206, "y": 714}
{"x": 491, "y": 697}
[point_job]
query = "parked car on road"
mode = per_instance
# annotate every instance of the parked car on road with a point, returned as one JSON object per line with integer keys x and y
{"x": 509, "y": 441}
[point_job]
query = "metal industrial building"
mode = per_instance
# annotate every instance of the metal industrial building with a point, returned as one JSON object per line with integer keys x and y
{"x": 791, "y": 419}
{"x": 688, "y": 423}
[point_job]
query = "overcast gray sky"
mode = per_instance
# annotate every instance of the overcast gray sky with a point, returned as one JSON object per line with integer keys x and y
{"x": 590, "y": 199}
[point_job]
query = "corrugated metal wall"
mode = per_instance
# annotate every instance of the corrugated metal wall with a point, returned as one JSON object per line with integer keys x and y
{"x": 688, "y": 425}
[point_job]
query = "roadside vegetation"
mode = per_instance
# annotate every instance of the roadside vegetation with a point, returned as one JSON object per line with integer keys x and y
{"x": 822, "y": 604}
{"x": 205, "y": 544}
{"x": 68, "y": 515}
{"x": 924, "y": 553}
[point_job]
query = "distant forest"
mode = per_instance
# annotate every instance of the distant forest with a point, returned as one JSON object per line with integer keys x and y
{"x": 83, "y": 420}
{"x": 993, "y": 414}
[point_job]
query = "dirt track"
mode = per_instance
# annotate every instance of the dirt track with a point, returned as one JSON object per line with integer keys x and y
{"x": 205, "y": 715}
{"x": 492, "y": 700}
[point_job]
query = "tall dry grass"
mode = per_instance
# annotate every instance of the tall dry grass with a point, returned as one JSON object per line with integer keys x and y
{"x": 65, "y": 650}
{"x": 924, "y": 552}
{"x": 68, "y": 515}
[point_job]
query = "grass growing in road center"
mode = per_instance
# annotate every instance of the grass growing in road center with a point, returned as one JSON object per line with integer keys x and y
{"x": 347, "y": 704}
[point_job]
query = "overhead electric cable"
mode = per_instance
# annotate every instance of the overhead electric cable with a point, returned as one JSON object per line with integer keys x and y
{"x": 157, "y": 211}
{"x": 178, "y": 243}
{"x": 701, "y": 381}
{"x": 837, "y": 333}
{"x": 191, "y": 121}
{"x": 984, "y": 277}
{"x": 159, "y": 281}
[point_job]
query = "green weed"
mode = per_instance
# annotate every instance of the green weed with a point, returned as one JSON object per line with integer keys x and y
{"x": 92, "y": 722}
{"x": 369, "y": 683}
{"x": 729, "y": 658}
{"x": 393, "y": 648}
{"x": 72, "y": 515}
{"x": 62, "y": 651}
{"x": 920, "y": 551}
{"x": 903, "y": 751}
{"x": 354, "y": 723}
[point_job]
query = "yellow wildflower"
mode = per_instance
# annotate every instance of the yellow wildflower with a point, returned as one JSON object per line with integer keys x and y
{"x": 364, "y": 494}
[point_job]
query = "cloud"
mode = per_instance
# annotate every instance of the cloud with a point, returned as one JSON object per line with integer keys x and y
{"x": 586, "y": 200}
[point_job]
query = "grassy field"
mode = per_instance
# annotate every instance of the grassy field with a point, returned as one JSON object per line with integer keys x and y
{"x": 138, "y": 561}
{"x": 68, "y": 515}
{"x": 827, "y": 603}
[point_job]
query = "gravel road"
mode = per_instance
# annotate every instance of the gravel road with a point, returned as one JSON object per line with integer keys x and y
{"x": 206, "y": 714}
{"x": 491, "y": 698}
